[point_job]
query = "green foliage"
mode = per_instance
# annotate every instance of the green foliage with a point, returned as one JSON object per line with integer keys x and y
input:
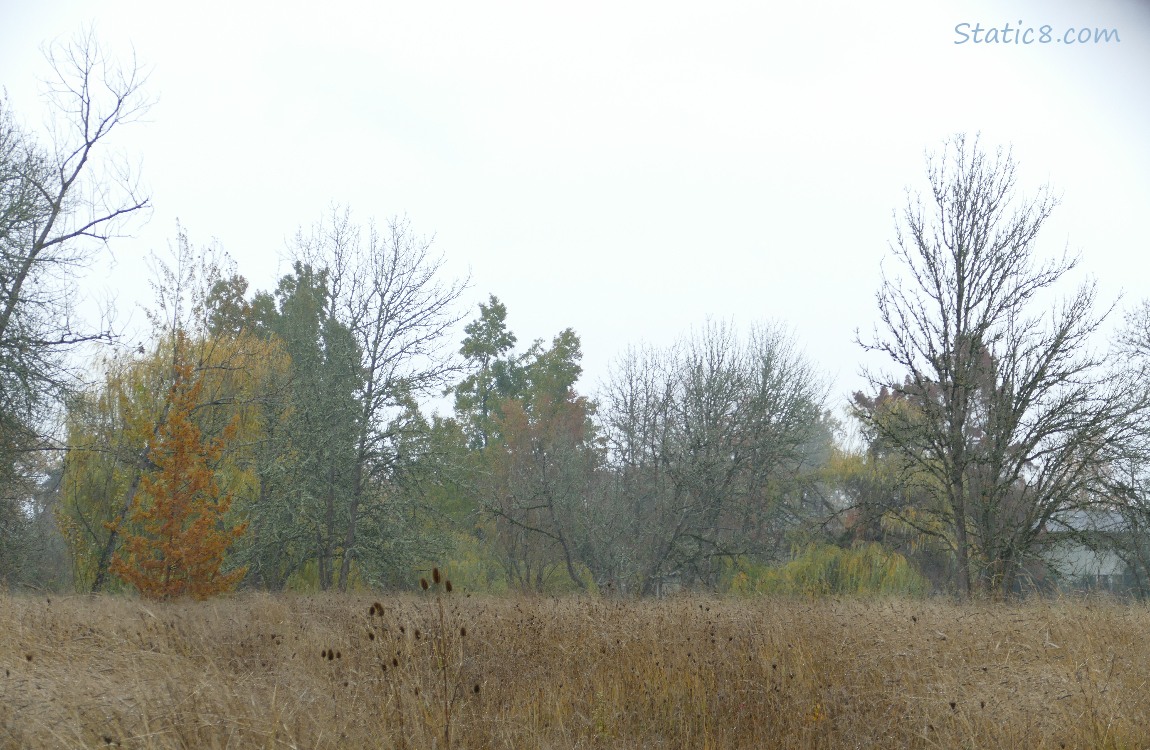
{"x": 487, "y": 337}
{"x": 305, "y": 579}
{"x": 497, "y": 375}
{"x": 474, "y": 566}
{"x": 302, "y": 515}
{"x": 227, "y": 310}
{"x": 819, "y": 569}
{"x": 552, "y": 373}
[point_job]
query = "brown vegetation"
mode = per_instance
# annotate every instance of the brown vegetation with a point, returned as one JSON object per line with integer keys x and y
{"x": 324, "y": 672}
{"x": 180, "y": 546}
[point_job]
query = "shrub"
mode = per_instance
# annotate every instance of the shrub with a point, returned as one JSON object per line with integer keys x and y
{"x": 826, "y": 569}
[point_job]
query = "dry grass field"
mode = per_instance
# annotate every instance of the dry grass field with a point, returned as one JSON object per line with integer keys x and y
{"x": 260, "y": 671}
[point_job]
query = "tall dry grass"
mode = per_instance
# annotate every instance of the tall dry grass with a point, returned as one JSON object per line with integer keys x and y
{"x": 260, "y": 671}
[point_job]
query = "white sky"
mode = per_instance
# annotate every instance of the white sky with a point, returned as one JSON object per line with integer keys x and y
{"x": 625, "y": 169}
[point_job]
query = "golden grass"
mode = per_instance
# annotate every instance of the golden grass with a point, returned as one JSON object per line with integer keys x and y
{"x": 260, "y": 671}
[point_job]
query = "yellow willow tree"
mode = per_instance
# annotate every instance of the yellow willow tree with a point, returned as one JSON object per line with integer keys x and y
{"x": 115, "y": 428}
{"x": 177, "y": 540}
{"x": 109, "y": 429}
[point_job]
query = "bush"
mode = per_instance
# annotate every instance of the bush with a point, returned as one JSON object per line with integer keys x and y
{"x": 865, "y": 569}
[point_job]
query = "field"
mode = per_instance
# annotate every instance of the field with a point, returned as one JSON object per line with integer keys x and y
{"x": 261, "y": 671}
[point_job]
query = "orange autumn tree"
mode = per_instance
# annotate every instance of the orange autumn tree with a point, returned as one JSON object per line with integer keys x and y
{"x": 177, "y": 539}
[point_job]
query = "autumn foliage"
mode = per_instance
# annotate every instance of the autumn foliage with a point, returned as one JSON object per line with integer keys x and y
{"x": 177, "y": 539}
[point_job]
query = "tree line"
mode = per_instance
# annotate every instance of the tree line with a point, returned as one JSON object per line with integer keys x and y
{"x": 280, "y": 438}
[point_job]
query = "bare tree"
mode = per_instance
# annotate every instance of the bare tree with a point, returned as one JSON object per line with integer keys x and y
{"x": 1130, "y": 477}
{"x": 58, "y": 203}
{"x": 710, "y": 443}
{"x": 54, "y": 203}
{"x": 386, "y": 288}
{"x": 1012, "y": 419}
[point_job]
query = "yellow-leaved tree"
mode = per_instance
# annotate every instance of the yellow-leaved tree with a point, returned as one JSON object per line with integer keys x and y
{"x": 177, "y": 538}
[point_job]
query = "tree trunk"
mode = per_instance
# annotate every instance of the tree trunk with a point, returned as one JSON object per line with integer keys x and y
{"x": 105, "y": 560}
{"x": 143, "y": 462}
{"x": 321, "y": 556}
{"x": 961, "y": 543}
{"x": 353, "y": 508}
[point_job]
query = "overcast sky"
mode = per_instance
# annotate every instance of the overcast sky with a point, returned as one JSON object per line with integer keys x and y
{"x": 624, "y": 169}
